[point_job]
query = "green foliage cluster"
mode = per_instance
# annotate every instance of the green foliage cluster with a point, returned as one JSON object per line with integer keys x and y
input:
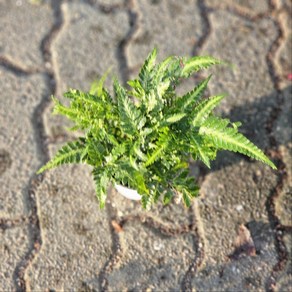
{"x": 144, "y": 137}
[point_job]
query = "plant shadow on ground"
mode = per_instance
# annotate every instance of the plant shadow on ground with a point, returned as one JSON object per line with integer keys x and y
{"x": 254, "y": 117}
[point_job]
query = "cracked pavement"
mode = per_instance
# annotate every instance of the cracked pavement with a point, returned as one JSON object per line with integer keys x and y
{"x": 53, "y": 237}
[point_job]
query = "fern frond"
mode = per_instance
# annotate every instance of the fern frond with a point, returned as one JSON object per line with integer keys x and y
{"x": 160, "y": 146}
{"x": 186, "y": 186}
{"x": 161, "y": 71}
{"x": 146, "y": 69}
{"x": 162, "y": 87}
{"x": 97, "y": 86}
{"x": 200, "y": 151}
{"x": 85, "y": 109}
{"x": 96, "y": 151}
{"x": 229, "y": 139}
{"x": 128, "y": 112}
{"x": 197, "y": 63}
{"x": 72, "y": 152}
{"x": 149, "y": 199}
{"x": 204, "y": 108}
{"x": 137, "y": 89}
{"x": 186, "y": 101}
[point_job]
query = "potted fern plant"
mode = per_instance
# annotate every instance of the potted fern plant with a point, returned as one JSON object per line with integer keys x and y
{"x": 143, "y": 138}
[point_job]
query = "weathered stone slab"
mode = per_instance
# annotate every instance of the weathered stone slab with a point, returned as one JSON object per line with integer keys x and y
{"x": 20, "y": 157}
{"x": 20, "y": 38}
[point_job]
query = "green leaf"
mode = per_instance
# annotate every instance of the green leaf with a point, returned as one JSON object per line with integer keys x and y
{"x": 197, "y": 63}
{"x": 162, "y": 72}
{"x": 189, "y": 99}
{"x": 162, "y": 87}
{"x": 149, "y": 199}
{"x": 203, "y": 109}
{"x": 97, "y": 86}
{"x": 144, "y": 75}
{"x": 72, "y": 152}
{"x": 101, "y": 180}
{"x": 198, "y": 147}
{"x": 175, "y": 118}
{"x": 160, "y": 146}
{"x": 167, "y": 197}
{"x": 228, "y": 138}
{"x": 138, "y": 152}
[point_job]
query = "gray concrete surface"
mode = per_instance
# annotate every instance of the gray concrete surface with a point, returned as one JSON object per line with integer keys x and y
{"x": 53, "y": 237}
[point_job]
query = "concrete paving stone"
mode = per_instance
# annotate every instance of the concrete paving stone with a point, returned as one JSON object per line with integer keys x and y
{"x": 20, "y": 158}
{"x": 172, "y": 26}
{"x": 75, "y": 232}
{"x": 244, "y": 44}
{"x": 234, "y": 195}
{"x": 87, "y": 45}
{"x": 21, "y": 43}
{"x": 246, "y": 274}
{"x": 151, "y": 260}
{"x": 14, "y": 244}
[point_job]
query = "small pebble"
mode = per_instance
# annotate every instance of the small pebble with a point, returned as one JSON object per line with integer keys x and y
{"x": 239, "y": 208}
{"x": 157, "y": 245}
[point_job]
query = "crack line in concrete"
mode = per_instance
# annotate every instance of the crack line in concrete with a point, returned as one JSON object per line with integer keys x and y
{"x": 35, "y": 233}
